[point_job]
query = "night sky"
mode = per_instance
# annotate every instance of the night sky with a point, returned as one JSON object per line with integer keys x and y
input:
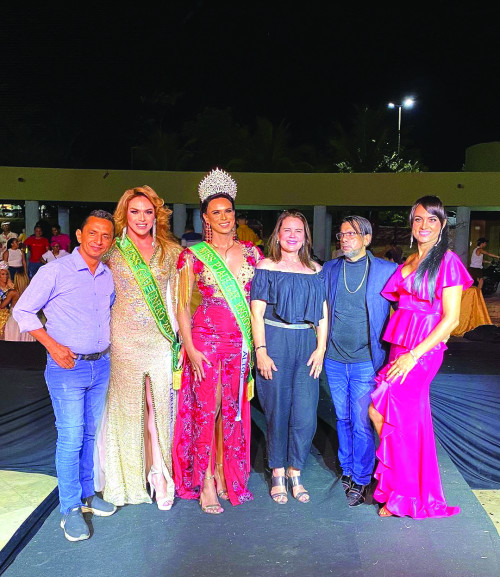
{"x": 82, "y": 70}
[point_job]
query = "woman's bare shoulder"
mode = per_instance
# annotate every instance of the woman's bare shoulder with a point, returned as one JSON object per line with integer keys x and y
{"x": 266, "y": 264}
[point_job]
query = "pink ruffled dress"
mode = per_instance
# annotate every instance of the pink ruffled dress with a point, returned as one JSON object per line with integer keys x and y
{"x": 408, "y": 476}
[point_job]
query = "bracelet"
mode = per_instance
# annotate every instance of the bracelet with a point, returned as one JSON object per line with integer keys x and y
{"x": 260, "y": 347}
{"x": 413, "y": 356}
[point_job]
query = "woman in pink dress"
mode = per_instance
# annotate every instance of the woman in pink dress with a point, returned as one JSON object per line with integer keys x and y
{"x": 211, "y": 452}
{"x": 428, "y": 288}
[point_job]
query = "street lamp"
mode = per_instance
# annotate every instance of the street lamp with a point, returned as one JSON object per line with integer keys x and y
{"x": 407, "y": 103}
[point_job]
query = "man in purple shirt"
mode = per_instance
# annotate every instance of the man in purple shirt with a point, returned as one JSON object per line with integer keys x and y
{"x": 76, "y": 294}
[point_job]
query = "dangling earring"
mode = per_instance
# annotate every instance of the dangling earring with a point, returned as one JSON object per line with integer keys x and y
{"x": 208, "y": 232}
{"x": 411, "y": 240}
{"x": 235, "y": 234}
{"x": 440, "y": 233}
{"x": 124, "y": 233}
{"x": 153, "y": 244}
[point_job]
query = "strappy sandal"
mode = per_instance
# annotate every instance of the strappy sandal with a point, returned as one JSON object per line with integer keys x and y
{"x": 214, "y": 509}
{"x": 383, "y": 512}
{"x": 163, "y": 503}
{"x": 282, "y": 497}
{"x": 222, "y": 494}
{"x": 295, "y": 482}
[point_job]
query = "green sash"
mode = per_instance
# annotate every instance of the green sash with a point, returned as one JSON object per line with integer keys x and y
{"x": 233, "y": 293}
{"x": 152, "y": 295}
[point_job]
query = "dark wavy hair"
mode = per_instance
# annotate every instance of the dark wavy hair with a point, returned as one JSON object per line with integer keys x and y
{"x": 207, "y": 201}
{"x": 431, "y": 263}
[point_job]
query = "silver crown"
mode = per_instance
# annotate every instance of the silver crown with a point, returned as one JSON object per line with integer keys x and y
{"x": 217, "y": 182}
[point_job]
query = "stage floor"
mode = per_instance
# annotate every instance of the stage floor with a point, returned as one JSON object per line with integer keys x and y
{"x": 260, "y": 538}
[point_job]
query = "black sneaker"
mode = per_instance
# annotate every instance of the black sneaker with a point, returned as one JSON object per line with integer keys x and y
{"x": 74, "y": 526}
{"x": 356, "y": 495}
{"x": 346, "y": 483}
{"x": 99, "y": 507}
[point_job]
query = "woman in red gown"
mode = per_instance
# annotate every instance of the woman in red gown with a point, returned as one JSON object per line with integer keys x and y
{"x": 211, "y": 451}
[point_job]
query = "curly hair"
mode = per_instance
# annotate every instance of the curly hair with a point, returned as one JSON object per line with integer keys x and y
{"x": 305, "y": 252}
{"x": 164, "y": 237}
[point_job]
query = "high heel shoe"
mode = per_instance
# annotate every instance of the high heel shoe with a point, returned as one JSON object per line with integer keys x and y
{"x": 164, "y": 504}
{"x": 222, "y": 493}
{"x": 301, "y": 496}
{"x": 281, "y": 497}
{"x": 384, "y": 512}
{"x": 215, "y": 508}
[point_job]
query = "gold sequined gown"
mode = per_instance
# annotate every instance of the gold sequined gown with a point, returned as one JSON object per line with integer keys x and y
{"x": 138, "y": 350}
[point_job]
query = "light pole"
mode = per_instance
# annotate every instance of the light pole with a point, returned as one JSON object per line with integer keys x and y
{"x": 407, "y": 103}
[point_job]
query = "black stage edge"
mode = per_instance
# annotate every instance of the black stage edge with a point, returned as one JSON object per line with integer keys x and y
{"x": 28, "y": 530}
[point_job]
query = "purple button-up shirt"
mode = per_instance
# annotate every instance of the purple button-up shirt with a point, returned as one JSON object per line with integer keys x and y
{"x": 75, "y": 302}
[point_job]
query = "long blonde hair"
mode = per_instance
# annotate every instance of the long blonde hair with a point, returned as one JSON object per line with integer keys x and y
{"x": 21, "y": 282}
{"x": 164, "y": 237}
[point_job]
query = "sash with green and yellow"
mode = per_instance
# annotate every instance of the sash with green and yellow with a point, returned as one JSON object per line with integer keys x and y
{"x": 154, "y": 299}
{"x": 235, "y": 297}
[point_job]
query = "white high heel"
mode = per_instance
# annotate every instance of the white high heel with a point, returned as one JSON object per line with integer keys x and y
{"x": 164, "y": 504}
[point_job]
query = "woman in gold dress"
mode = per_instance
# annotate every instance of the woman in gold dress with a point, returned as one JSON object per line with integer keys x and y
{"x": 139, "y": 422}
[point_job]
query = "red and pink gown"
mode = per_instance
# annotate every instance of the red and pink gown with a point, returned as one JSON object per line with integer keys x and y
{"x": 215, "y": 333}
{"x": 408, "y": 476}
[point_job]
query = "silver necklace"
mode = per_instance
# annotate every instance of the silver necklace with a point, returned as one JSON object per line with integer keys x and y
{"x": 362, "y": 280}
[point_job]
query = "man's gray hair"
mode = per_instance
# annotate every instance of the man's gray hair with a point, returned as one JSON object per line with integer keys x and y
{"x": 359, "y": 223}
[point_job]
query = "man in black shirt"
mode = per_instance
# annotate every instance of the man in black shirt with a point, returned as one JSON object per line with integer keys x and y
{"x": 357, "y": 317}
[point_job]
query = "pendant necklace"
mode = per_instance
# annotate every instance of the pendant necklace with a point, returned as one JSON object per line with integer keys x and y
{"x": 362, "y": 280}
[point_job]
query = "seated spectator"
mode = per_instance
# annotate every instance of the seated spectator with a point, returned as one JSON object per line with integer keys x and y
{"x": 37, "y": 245}
{"x": 62, "y": 239}
{"x": 190, "y": 237}
{"x": 12, "y": 332}
{"x": 8, "y": 296}
{"x": 54, "y": 252}
{"x": 14, "y": 257}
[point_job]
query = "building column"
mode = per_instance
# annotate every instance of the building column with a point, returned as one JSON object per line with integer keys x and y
{"x": 328, "y": 236}
{"x": 31, "y": 215}
{"x": 197, "y": 223}
{"x": 462, "y": 234}
{"x": 179, "y": 219}
{"x": 319, "y": 233}
{"x": 63, "y": 218}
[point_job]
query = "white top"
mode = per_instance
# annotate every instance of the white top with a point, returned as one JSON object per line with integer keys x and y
{"x": 50, "y": 256}
{"x": 4, "y": 238}
{"x": 15, "y": 257}
{"x": 476, "y": 261}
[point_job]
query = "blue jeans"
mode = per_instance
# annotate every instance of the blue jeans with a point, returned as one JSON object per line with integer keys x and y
{"x": 78, "y": 397}
{"x": 350, "y": 385}
{"x": 33, "y": 268}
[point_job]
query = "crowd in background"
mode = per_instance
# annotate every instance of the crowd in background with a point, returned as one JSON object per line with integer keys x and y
{"x": 21, "y": 258}
{"x": 23, "y": 255}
